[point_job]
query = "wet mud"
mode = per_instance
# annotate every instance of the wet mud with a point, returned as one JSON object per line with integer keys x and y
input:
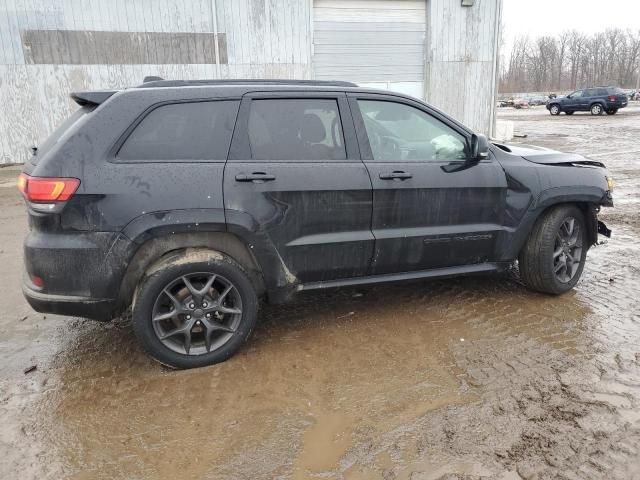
{"x": 468, "y": 378}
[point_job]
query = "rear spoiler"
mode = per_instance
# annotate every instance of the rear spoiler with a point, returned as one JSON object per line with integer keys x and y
{"x": 92, "y": 98}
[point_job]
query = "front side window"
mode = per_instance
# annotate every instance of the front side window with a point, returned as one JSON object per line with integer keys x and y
{"x": 296, "y": 129}
{"x": 399, "y": 132}
{"x": 182, "y": 132}
{"x": 577, "y": 94}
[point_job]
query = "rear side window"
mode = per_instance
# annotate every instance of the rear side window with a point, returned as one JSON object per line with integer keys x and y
{"x": 592, "y": 92}
{"x": 296, "y": 129}
{"x": 62, "y": 132}
{"x": 182, "y": 132}
{"x": 602, "y": 92}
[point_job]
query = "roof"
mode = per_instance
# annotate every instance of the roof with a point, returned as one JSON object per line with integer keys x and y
{"x": 154, "y": 82}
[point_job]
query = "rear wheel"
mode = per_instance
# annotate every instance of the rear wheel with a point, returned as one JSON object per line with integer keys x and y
{"x": 553, "y": 258}
{"x": 194, "y": 309}
{"x": 554, "y": 109}
{"x": 570, "y": 113}
{"x": 596, "y": 109}
{"x": 612, "y": 111}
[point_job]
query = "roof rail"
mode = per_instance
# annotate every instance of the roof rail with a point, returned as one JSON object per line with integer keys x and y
{"x": 156, "y": 82}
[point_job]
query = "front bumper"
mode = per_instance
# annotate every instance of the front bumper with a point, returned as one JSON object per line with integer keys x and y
{"x": 93, "y": 308}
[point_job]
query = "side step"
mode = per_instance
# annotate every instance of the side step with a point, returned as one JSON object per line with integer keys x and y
{"x": 396, "y": 277}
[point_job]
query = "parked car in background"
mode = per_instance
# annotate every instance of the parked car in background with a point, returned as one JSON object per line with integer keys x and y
{"x": 596, "y": 100}
{"x": 188, "y": 201}
{"x": 519, "y": 103}
{"x": 537, "y": 101}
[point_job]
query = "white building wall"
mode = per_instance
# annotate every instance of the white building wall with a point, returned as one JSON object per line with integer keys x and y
{"x": 256, "y": 39}
{"x": 462, "y": 55}
{"x": 262, "y": 39}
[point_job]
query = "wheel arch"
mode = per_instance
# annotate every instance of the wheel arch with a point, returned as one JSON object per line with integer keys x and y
{"x": 512, "y": 246}
{"x": 157, "y": 249}
{"x": 588, "y": 207}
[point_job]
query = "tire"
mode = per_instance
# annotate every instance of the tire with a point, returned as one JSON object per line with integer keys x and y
{"x": 612, "y": 111}
{"x": 597, "y": 109}
{"x": 554, "y": 109}
{"x": 539, "y": 260}
{"x": 218, "y": 323}
{"x": 570, "y": 113}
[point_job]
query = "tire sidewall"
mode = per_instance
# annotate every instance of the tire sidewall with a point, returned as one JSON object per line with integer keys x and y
{"x": 556, "y": 219}
{"x": 555, "y": 108}
{"x": 152, "y": 285}
{"x": 596, "y": 109}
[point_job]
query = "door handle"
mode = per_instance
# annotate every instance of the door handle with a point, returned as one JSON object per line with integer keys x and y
{"x": 256, "y": 177}
{"x": 395, "y": 175}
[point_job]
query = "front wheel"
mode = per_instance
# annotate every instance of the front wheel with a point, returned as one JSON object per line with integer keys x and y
{"x": 596, "y": 109}
{"x": 194, "y": 309}
{"x": 554, "y": 109}
{"x": 553, "y": 257}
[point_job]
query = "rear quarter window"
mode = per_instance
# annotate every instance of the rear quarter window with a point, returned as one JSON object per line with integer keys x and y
{"x": 192, "y": 131}
{"x": 62, "y": 132}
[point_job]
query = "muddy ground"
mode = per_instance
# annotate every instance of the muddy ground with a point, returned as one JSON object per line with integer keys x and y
{"x": 458, "y": 379}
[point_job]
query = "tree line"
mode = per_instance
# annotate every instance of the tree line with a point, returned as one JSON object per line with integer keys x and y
{"x": 572, "y": 60}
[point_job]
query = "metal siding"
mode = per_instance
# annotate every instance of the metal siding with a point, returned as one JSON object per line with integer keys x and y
{"x": 264, "y": 38}
{"x": 370, "y": 42}
{"x": 461, "y": 60}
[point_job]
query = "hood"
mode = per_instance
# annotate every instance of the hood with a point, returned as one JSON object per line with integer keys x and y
{"x": 546, "y": 156}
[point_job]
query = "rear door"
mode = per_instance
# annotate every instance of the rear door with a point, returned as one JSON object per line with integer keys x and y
{"x": 295, "y": 178}
{"x": 430, "y": 209}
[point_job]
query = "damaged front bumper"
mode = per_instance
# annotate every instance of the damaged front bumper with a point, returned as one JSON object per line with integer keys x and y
{"x": 603, "y": 230}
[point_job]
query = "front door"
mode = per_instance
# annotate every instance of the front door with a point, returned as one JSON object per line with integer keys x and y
{"x": 575, "y": 102}
{"x": 295, "y": 178}
{"x": 430, "y": 208}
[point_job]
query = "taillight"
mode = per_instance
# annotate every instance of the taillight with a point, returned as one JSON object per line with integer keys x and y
{"x": 47, "y": 189}
{"x": 612, "y": 98}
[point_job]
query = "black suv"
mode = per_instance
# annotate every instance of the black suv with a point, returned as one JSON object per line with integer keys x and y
{"x": 597, "y": 100}
{"x": 188, "y": 201}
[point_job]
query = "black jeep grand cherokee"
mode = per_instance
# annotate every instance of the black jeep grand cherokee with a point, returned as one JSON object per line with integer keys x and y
{"x": 190, "y": 200}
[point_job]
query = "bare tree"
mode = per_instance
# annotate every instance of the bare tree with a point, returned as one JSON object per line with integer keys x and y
{"x": 571, "y": 60}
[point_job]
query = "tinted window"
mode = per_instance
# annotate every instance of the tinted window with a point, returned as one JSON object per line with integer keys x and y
{"x": 296, "y": 129}
{"x": 182, "y": 132}
{"x": 400, "y": 132}
{"x": 62, "y": 132}
{"x": 602, "y": 92}
{"x": 591, "y": 92}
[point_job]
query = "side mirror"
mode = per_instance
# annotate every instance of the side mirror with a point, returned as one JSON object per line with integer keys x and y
{"x": 479, "y": 147}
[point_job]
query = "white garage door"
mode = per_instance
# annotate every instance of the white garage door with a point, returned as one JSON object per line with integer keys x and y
{"x": 377, "y": 43}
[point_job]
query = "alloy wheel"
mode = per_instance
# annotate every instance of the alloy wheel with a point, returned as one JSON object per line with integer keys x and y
{"x": 567, "y": 251}
{"x": 197, "y": 313}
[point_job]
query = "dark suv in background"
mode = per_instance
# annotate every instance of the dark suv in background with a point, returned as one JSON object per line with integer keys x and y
{"x": 597, "y": 100}
{"x": 188, "y": 201}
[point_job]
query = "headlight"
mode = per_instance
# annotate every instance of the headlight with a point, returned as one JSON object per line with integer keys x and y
{"x": 610, "y": 184}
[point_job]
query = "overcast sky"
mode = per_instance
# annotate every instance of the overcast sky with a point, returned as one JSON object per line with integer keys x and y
{"x": 549, "y": 17}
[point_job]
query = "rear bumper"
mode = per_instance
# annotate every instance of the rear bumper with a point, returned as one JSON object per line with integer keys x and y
{"x": 616, "y": 105}
{"x": 93, "y": 308}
